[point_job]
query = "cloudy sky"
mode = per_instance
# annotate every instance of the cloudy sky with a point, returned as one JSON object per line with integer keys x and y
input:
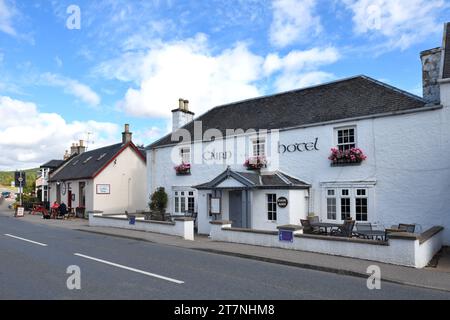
{"x": 130, "y": 61}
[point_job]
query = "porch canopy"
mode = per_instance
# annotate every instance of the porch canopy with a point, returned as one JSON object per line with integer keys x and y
{"x": 243, "y": 198}
{"x": 234, "y": 180}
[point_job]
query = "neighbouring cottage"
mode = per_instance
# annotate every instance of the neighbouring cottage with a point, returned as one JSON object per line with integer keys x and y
{"x": 355, "y": 148}
{"x": 109, "y": 179}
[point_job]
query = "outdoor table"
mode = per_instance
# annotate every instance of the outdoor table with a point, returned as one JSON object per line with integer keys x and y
{"x": 374, "y": 234}
{"x": 325, "y": 225}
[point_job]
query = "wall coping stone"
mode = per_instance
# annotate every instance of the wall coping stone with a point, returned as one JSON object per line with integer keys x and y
{"x": 252, "y": 231}
{"x": 220, "y": 222}
{"x": 138, "y": 221}
{"x": 290, "y": 227}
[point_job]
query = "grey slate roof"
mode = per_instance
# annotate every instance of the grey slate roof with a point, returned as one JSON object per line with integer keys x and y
{"x": 256, "y": 180}
{"x": 349, "y": 98}
{"x": 446, "y": 70}
{"x": 79, "y": 168}
{"x": 53, "y": 164}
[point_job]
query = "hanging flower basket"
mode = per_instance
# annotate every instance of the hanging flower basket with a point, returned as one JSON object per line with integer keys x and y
{"x": 354, "y": 156}
{"x": 255, "y": 163}
{"x": 183, "y": 169}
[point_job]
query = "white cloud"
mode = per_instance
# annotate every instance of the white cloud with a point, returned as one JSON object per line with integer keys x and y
{"x": 190, "y": 69}
{"x": 58, "y": 62}
{"x": 73, "y": 87}
{"x": 400, "y": 23}
{"x": 290, "y": 81}
{"x": 6, "y": 15}
{"x": 293, "y": 21}
{"x": 31, "y": 138}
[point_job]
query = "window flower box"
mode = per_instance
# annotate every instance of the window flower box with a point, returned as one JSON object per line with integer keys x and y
{"x": 351, "y": 157}
{"x": 183, "y": 169}
{"x": 255, "y": 163}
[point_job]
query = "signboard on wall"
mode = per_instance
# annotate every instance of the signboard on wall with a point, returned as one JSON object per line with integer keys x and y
{"x": 282, "y": 202}
{"x": 286, "y": 236}
{"x": 103, "y": 189}
{"x": 215, "y": 206}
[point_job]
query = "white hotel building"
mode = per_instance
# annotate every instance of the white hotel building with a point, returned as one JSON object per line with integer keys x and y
{"x": 404, "y": 179}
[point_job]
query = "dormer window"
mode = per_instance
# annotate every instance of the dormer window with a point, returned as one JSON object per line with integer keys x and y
{"x": 87, "y": 160}
{"x": 75, "y": 162}
{"x": 102, "y": 156}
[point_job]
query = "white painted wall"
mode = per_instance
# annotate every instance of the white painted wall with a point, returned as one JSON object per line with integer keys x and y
{"x": 128, "y": 183}
{"x": 74, "y": 185}
{"x": 184, "y": 229}
{"x": 408, "y": 163}
{"x": 399, "y": 251}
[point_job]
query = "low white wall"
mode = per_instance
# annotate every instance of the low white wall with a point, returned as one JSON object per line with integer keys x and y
{"x": 181, "y": 227}
{"x": 399, "y": 251}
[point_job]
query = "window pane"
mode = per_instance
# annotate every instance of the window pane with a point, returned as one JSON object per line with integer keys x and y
{"x": 345, "y": 208}
{"x": 331, "y": 209}
{"x": 345, "y": 192}
{"x": 191, "y": 204}
{"x": 271, "y": 207}
{"x": 177, "y": 204}
{"x": 361, "y": 209}
{"x": 331, "y": 193}
{"x": 183, "y": 205}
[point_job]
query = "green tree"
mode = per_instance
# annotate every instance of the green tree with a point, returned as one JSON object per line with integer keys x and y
{"x": 159, "y": 200}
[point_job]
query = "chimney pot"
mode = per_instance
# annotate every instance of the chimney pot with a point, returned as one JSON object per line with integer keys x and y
{"x": 181, "y": 104}
{"x": 186, "y": 105}
{"x": 127, "y": 135}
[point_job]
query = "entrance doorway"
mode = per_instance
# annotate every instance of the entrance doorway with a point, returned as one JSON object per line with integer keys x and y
{"x": 235, "y": 208}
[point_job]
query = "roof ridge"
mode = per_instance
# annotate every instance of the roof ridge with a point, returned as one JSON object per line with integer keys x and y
{"x": 391, "y": 87}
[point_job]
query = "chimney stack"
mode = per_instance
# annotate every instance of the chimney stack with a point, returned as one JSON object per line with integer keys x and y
{"x": 81, "y": 147}
{"x": 431, "y": 73}
{"x": 127, "y": 135}
{"x": 182, "y": 115}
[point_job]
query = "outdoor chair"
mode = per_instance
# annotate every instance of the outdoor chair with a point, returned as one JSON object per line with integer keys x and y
{"x": 346, "y": 230}
{"x": 308, "y": 228}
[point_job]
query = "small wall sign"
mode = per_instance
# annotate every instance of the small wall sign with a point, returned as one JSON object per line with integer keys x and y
{"x": 103, "y": 189}
{"x": 286, "y": 236}
{"x": 282, "y": 202}
{"x": 216, "y": 206}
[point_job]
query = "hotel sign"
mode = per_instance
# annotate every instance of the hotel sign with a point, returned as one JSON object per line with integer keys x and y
{"x": 298, "y": 147}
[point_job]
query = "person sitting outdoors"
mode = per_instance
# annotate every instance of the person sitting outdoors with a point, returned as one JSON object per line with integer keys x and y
{"x": 54, "y": 209}
{"x": 62, "y": 209}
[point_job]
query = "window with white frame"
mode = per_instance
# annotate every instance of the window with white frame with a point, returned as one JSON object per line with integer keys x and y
{"x": 184, "y": 202}
{"x": 331, "y": 204}
{"x": 349, "y": 202}
{"x": 272, "y": 207}
{"x": 345, "y": 204}
{"x": 259, "y": 148}
{"x": 346, "y": 138}
{"x": 361, "y": 205}
{"x": 185, "y": 155}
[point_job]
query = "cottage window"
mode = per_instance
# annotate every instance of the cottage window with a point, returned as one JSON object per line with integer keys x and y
{"x": 348, "y": 203}
{"x": 184, "y": 201}
{"x": 272, "y": 207}
{"x": 259, "y": 148}
{"x": 346, "y": 138}
{"x": 185, "y": 155}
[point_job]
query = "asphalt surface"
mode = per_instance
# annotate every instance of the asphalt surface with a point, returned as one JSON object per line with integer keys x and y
{"x": 117, "y": 268}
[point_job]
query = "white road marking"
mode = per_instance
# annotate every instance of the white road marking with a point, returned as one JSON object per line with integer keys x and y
{"x": 23, "y": 239}
{"x": 130, "y": 269}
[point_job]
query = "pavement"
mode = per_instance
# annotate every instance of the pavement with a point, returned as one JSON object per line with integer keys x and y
{"x": 436, "y": 278}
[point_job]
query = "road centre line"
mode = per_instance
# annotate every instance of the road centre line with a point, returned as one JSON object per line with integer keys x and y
{"x": 129, "y": 269}
{"x": 23, "y": 239}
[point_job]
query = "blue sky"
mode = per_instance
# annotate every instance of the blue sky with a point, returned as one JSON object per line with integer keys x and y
{"x": 131, "y": 60}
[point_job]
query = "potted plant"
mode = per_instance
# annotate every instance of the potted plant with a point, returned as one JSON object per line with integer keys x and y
{"x": 158, "y": 203}
{"x": 352, "y": 156}
{"x": 183, "y": 169}
{"x": 255, "y": 163}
